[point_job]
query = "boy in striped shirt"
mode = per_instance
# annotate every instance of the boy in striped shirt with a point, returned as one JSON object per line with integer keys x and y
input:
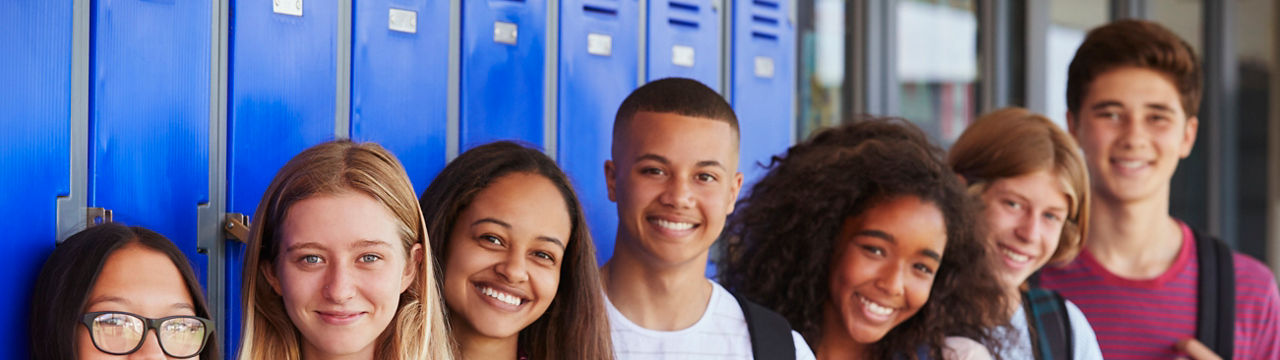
{"x": 1133, "y": 90}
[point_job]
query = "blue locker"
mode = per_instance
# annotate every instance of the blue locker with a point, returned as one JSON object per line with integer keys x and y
{"x": 34, "y": 149}
{"x": 399, "y": 80}
{"x": 598, "y": 65}
{"x": 503, "y": 59}
{"x": 149, "y": 116}
{"x": 763, "y": 82}
{"x": 684, "y": 40}
{"x": 282, "y": 93}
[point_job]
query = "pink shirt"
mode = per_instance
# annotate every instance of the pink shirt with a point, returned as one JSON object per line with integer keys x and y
{"x": 1143, "y": 319}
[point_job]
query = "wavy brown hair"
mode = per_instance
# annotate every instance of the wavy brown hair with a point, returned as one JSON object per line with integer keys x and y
{"x": 781, "y": 240}
{"x": 575, "y": 325}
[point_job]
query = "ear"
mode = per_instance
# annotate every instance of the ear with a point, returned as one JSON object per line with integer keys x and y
{"x": 1189, "y": 136}
{"x": 1073, "y": 124}
{"x": 411, "y": 268}
{"x": 735, "y": 188}
{"x": 268, "y": 271}
{"x": 611, "y": 179}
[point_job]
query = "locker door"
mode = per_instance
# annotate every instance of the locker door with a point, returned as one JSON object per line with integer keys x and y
{"x": 399, "y": 78}
{"x": 149, "y": 116}
{"x": 503, "y": 59}
{"x": 282, "y": 95}
{"x": 598, "y": 65}
{"x": 684, "y": 40}
{"x": 763, "y": 81}
{"x": 35, "y": 156}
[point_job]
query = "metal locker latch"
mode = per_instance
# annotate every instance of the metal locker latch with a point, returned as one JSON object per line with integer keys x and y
{"x": 97, "y": 216}
{"x": 237, "y": 227}
{"x": 505, "y": 32}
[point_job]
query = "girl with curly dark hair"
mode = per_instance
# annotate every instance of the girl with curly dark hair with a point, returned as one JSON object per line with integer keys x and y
{"x": 865, "y": 241}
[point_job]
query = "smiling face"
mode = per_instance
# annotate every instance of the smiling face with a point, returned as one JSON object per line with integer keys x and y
{"x": 1133, "y": 131}
{"x": 1025, "y": 216}
{"x": 675, "y": 179}
{"x": 883, "y": 268}
{"x": 340, "y": 270}
{"x": 142, "y": 281}
{"x": 504, "y": 257}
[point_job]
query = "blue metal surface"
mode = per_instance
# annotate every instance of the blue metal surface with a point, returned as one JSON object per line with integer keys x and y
{"x": 502, "y": 84}
{"x": 763, "y": 39}
{"x": 591, "y": 86}
{"x": 399, "y": 84}
{"x": 34, "y": 153}
{"x": 282, "y": 95}
{"x": 693, "y": 24}
{"x": 149, "y": 116}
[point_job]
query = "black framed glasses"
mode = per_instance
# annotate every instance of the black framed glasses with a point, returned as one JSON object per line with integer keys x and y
{"x": 122, "y": 333}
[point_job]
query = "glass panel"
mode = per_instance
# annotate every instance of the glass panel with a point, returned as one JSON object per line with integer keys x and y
{"x": 822, "y": 64}
{"x": 1254, "y": 31}
{"x": 1188, "y": 194}
{"x": 1070, "y": 21}
{"x": 937, "y": 60}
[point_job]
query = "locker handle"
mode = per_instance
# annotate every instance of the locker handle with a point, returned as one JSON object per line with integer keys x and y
{"x": 237, "y": 227}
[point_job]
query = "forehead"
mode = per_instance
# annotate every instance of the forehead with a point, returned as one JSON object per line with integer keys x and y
{"x": 528, "y": 202}
{"x": 338, "y": 220}
{"x": 1043, "y": 187}
{"x": 915, "y": 225}
{"x": 144, "y": 278}
{"x": 1139, "y": 86}
{"x": 673, "y": 136}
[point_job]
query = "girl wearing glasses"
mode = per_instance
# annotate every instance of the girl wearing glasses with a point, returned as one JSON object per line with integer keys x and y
{"x": 113, "y": 290}
{"x": 520, "y": 278}
{"x": 339, "y": 262}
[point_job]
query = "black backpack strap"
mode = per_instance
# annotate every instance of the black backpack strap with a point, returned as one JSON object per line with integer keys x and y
{"x": 1049, "y": 324}
{"x": 1216, "y": 295}
{"x": 770, "y": 332}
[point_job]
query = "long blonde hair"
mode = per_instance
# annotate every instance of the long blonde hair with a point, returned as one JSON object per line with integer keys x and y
{"x": 418, "y": 330}
{"x": 1014, "y": 141}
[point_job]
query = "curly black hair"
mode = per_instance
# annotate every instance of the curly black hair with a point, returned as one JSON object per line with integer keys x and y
{"x": 780, "y": 242}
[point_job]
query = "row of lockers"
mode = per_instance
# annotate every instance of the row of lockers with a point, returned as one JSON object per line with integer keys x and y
{"x": 425, "y": 78}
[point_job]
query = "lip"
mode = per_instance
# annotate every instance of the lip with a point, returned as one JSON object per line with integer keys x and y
{"x": 340, "y": 318}
{"x": 873, "y": 317}
{"x": 1130, "y": 167}
{"x": 662, "y": 224}
{"x": 479, "y": 288}
{"x": 1014, "y": 264}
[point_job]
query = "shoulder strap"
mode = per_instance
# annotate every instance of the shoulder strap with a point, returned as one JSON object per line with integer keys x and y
{"x": 770, "y": 332}
{"x": 1216, "y": 295}
{"x": 1049, "y": 323}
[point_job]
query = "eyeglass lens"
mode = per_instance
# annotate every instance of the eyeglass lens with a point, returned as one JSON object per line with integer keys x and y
{"x": 122, "y": 333}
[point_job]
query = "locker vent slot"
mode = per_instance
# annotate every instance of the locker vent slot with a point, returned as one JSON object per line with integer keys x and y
{"x": 683, "y": 6}
{"x": 769, "y": 4}
{"x": 761, "y": 19}
{"x": 683, "y": 22}
{"x": 599, "y": 9}
{"x": 764, "y": 35}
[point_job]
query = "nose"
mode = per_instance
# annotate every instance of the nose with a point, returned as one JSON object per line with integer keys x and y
{"x": 339, "y": 286}
{"x": 677, "y": 194}
{"x": 150, "y": 347}
{"x": 1029, "y": 228}
{"x": 890, "y": 278}
{"x": 1133, "y": 131}
{"x": 513, "y": 269}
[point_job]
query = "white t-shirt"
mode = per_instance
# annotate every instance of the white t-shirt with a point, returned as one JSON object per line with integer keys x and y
{"x": 1084, "y": 346}
{"x": 721, "y": 333}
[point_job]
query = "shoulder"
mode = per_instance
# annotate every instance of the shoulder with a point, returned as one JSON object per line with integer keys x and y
{"x": 1254, "y": 281}
{"x": 1085, "y": 341}
{"x": 963, "y": 348}
{"x": 803, "y": 352}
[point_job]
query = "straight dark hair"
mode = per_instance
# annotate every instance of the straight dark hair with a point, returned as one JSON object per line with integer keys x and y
{"x": 575, "y": 325}
{"x": 70, "y": 273}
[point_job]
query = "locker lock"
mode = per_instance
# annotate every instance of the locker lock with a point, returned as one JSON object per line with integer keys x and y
{"x": 237, "y": 227}
{"x": 97, "y": 216}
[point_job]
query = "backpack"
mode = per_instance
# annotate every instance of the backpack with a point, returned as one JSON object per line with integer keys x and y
{"x": 1216, "y": 295}
{"x": 770, "y": 332}
{"x": 1049, "y": 324}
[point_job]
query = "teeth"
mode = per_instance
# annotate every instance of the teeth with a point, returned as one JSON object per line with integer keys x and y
{"x": 674, "y": 225}
{"x": 1132, "y": 164}
{"x": 501, "y": 296}
{"x": 876, "y": 308}
{"x": 1015, "y": 256}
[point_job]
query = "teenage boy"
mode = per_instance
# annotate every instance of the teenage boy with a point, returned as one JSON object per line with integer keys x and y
{"x": 674, "y": 176}
{"x": 1147, "y": 282}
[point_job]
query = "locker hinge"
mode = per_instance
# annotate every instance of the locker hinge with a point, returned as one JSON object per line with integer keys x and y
{"x": 97, "y": 216}
{"x": 237, "y": 227}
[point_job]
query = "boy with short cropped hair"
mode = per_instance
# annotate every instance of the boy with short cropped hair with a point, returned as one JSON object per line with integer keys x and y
{"x": 674, "y": 176}
{"x": 1133, "y": 90}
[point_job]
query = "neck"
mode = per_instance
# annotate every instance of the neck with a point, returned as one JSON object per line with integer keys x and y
{"x": 1136, "y": 239}
{"x": 472, "y": 345}
{"x": 836, "y": 342}
{"x": 310, "y": 352}
{"x": 657, "y": 297}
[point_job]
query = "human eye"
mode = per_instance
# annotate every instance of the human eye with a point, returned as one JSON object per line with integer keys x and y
{"x": 924, "y": 269}
{"x": 1013, "y": 204}
{"x": 649, "y": 170}
{"x": 1053, "y": 217}
{"x": 491, "y": 240}
{"x": 707, "y": 177}
{"x": 310, "y": 259}
{"x": 545, "y": 256}
{"x": 873, "y": 250}
{"x": 369, "y": 258}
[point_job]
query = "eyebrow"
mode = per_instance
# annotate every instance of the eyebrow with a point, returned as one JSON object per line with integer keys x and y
{"x": 664, "y": 161}
{"x": 123, "y": 301}
{"x": 365, "y": 243}
{"x": 886, "y": 237}
{"x": 1110, "y": 103}
{"x": 504, "y": 224}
